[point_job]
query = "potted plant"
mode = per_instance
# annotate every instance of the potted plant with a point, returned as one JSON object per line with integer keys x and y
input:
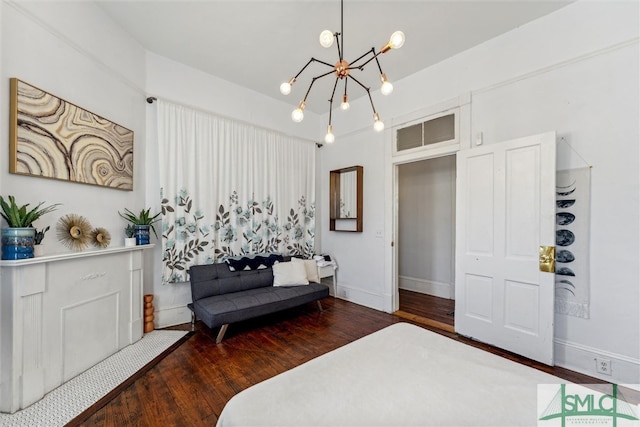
{"x": 19, "y": 238}
{"x": 37, "y": 241}
{"x": 130, "y": 232}
{"x": 141, "y": 223}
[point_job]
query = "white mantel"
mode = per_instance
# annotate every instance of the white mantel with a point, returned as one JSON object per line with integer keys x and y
{"x": 63, "y": 313}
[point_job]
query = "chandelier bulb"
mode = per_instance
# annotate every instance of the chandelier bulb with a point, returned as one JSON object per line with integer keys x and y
{"x": 329, "y": 138}
{"x": 298, "y": 114}
{"x": 326, "y": 38}
{"x": 386, "y": 87}
{"x": 345, "y": 103}
{"x": 378, "y": 126}
{"x": 285, "y": 88}
{"x": 396, "y": 40}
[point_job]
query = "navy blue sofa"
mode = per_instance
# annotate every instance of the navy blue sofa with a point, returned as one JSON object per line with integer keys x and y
{"x": 221, "y": 296}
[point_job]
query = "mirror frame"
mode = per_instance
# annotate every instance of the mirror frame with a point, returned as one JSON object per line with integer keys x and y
{"x": 334, "y": 200}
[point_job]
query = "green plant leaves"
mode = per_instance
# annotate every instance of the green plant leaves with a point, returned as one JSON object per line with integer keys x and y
{"x": 18, "y": 216}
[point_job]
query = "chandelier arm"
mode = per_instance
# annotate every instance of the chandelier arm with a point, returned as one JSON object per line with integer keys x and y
{"x": 368, "y": 92}
{"x": 378, "y": 62}
{"x": 353, "y": 66}
{"x": 307, "y": 64}
{"x": 375, "y": 55}
{"x": 313, "y": 80}
{"x": 356, "y": 80}
{"x": 324, "y": 63}
{"x": 371, "y": 101}
{"x": 335, "y": 85}
{"x": 339, "y": 45}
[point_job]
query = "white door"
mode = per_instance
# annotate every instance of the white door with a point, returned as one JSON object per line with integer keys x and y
{"x": 505, "y": 210}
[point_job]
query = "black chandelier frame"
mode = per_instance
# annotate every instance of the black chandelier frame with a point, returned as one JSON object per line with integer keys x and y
{"x": 342, "y": 69}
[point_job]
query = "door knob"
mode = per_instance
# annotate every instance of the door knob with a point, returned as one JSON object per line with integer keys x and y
{"x": 547, "y": 259}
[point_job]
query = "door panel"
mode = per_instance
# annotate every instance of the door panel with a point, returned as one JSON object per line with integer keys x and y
{"x": 505, "y": 211}
{"x": 479, "y": 198}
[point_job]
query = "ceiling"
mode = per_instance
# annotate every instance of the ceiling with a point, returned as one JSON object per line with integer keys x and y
{"x": 260, "y": 44}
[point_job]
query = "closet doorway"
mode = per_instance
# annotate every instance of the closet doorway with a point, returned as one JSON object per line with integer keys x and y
{"x": 426, "y": 240}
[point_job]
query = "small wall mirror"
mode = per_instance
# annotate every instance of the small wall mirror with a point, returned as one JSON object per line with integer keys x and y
{"x": 345, "y": 199}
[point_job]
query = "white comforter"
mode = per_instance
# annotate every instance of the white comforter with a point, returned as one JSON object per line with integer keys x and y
{"x": 403, "y": 375}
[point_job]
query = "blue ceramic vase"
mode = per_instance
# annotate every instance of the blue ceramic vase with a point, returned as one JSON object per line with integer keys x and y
{"x": 17, "y": 243}
{"x": 142, "y": 234}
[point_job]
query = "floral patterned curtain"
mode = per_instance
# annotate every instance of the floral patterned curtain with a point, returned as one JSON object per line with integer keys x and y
{"x": 229, "y": 189}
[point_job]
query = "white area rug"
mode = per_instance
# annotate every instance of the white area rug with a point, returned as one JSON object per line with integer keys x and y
{"x": 402, "y": 375}
{"x": 66, "y": 402}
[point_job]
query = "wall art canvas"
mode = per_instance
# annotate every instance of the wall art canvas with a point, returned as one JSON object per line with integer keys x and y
{"x": 53, "y": 138}
{"x": 573, "y": 188}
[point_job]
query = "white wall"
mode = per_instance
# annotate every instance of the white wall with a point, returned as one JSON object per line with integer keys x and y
{"x": 360, "y": 256}
{"x": 426, "y": 226}
{"x": 574, "y": 71}
{"x": 72, "y": 51}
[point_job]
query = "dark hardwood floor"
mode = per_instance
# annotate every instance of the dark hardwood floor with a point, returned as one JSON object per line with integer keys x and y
{"x": 435, "y": 308}
{"x": 191, "y": 385}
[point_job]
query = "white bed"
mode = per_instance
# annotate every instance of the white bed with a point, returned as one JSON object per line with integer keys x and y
{"x": 401, "y": 375}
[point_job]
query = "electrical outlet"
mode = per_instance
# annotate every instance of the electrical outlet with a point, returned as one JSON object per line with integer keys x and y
{"x": 603, "y": 366}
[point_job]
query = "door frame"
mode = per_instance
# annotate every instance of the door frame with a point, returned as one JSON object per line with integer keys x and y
{"x": 461, "y": 106}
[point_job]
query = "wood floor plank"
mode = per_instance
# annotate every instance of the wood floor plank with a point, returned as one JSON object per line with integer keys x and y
{"x": 192, "y": 384}
{"x": 427, "y": 306}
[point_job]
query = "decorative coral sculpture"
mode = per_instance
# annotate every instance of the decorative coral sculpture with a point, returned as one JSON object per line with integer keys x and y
{"x": 101, "y": 237}
{"x": 74, "y": 231}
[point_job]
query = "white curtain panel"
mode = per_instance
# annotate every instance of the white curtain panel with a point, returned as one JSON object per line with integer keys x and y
{"x": 229, "y": 188}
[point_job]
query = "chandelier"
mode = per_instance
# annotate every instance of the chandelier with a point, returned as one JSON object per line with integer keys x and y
{"x": 342, "y": 70}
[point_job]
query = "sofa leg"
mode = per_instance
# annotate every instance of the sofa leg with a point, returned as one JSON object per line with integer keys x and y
{"x": 319, "y": 305}
{"x": 193, "y": 321}
{"x": 223, "y": 329}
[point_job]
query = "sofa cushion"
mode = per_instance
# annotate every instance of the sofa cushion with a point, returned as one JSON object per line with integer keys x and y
{"x": 218, "y": 310}
{"x": 215, "y": 279}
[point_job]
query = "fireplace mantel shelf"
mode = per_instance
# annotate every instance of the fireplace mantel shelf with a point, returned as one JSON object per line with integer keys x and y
{"x": 63, "y": 256}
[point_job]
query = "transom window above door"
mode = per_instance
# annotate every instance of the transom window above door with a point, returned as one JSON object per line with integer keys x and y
{"x": 426, "y": 134}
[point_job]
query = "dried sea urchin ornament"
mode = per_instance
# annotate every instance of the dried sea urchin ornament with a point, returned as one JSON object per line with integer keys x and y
{"x": 74, "y": 231}
{"x": 101, "y": 237}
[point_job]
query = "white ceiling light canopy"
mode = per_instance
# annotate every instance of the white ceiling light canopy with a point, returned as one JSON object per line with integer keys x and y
{"x": 342, "y": 70}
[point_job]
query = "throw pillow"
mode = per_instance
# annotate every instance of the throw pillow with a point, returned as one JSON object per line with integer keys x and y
{"x": 311, "y": 268}
{"x": 256, "y": 262}
{"x": 289, "y": 274}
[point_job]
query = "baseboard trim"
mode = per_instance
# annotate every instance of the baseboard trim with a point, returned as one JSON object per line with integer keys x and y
{"x": 171, "y": 316}
{"x": 361, "y": 297}
{"x": 581, "y": 358}
{"x": 430, "y": 287}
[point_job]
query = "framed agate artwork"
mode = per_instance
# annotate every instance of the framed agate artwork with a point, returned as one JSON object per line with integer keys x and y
{"x": 52, "y": 138}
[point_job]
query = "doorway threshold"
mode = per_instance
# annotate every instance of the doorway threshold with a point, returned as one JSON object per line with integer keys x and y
{"x": 425, "y": 321}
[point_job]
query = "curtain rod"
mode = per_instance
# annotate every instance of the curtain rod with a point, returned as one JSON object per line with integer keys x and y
{"x": 152, "y": 99}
